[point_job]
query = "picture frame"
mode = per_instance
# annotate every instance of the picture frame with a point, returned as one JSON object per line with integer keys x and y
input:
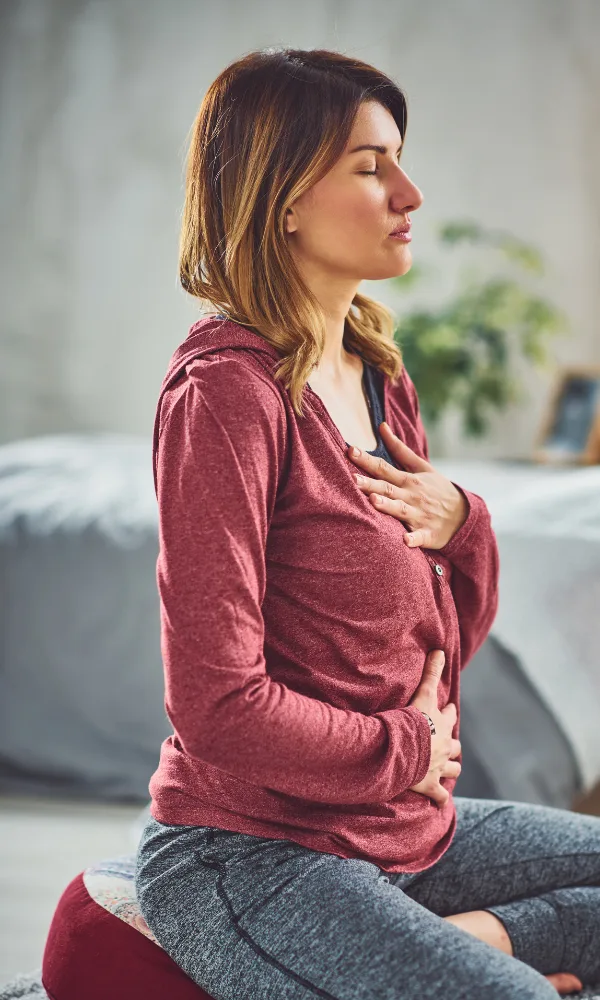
{"x": 570, "y": 432}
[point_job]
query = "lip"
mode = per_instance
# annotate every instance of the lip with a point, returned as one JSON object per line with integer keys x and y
{"x": 401, "y": 229}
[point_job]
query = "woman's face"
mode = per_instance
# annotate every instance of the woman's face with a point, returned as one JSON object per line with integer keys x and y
{"x": 342, "y": 225}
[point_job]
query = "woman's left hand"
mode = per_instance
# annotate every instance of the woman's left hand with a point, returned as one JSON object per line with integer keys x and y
{"x": 430, "y": 504}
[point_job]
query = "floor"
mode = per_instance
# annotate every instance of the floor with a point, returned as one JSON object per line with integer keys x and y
{"x": 43, "y": 845}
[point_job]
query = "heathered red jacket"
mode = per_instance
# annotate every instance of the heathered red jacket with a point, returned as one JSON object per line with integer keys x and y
{"x": 295, "y": 622}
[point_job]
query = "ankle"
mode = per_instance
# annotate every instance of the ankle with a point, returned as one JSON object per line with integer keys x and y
{"x": 485, "y": 926}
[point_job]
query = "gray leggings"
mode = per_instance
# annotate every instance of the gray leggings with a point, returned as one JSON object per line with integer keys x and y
{"x": 254, "y": 918}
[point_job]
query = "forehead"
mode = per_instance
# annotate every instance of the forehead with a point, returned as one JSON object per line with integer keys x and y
{"x": 374, "y": 124}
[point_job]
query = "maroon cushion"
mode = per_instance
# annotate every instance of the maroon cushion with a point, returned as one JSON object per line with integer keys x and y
{"x": 92, "y": 953}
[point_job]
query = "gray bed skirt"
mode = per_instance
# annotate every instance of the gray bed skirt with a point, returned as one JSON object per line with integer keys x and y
{"x": 512, "y": 745}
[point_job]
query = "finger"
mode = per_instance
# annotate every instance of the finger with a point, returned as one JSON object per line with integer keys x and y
{"x": 378, "y": 468}
{"x": 398, "y": 448}
{"x": 392, "y": 504}
{"x": 383, "y": 486}
{"x": 450, "y": 709}
{"x": 420, "y": 536}
{"x": 434, "y": 667}
{"x": 388, "y": 497}
{"x": 430, "y": 678}
{"x": 433, "y": 790}
{"x": 451, "y": 769}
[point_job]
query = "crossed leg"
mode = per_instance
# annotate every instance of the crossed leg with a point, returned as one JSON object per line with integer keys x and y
{"x": 525, "y": 878}
{"x": 485, "y": 926}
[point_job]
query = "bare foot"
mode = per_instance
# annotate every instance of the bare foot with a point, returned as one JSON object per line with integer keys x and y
{"x": 565, "y": 982}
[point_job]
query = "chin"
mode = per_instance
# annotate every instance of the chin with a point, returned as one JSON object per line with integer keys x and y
{"x": 392, "y": 269}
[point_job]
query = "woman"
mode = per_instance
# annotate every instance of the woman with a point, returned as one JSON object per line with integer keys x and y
{"x": 304, "y": 838}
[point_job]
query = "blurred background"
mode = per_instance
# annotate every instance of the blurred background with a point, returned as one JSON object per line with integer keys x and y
{"x": 499, "y": 323}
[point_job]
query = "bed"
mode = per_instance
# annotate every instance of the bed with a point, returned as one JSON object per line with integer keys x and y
{"x": 81, "y": 684}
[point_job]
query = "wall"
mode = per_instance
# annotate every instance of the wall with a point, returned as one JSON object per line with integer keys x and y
{"x": 96, "y": 102}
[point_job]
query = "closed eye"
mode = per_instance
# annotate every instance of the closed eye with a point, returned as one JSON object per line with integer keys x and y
{"x": 371, "y": 173}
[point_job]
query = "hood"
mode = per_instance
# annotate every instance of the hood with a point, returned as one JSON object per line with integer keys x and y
{"x": 206, "y": 336}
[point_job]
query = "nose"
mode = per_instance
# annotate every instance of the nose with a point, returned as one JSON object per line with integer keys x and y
{"x": 407, "y": 196}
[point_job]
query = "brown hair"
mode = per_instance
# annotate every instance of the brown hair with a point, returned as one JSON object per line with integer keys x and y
{"x": 270, "y": 126}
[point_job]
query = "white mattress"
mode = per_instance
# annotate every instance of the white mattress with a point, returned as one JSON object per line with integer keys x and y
{"x": 547, "y": 521}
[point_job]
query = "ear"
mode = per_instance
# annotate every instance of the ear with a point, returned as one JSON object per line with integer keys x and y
{"x": 290, "y": 221}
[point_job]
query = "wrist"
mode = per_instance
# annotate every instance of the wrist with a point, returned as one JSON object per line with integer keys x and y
{"x": 430, "y": 721}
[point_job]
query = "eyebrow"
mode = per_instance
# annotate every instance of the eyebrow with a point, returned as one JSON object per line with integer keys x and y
{"x": 378, "y": 149}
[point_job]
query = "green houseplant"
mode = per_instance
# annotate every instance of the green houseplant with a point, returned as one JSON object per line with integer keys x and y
{"x": 460, "y": 354}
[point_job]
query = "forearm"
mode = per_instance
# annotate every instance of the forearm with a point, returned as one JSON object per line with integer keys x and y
{"x": 473, "y": 552}
{"x": 268, "y": 734}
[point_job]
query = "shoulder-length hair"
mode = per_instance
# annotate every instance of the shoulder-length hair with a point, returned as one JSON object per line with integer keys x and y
{"x": 270, "y": 126}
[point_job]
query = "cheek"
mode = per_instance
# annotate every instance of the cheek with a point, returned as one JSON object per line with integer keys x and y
{"x": 367, "y": 213}
{"x": 344, "y": 218}
{"x": 350, "y": 204}
{"x": 364, "y": 213}
{"x": 355, "y": 234}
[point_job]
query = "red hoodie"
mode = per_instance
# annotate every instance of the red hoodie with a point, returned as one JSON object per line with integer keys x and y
{"x": 295, "y": 621}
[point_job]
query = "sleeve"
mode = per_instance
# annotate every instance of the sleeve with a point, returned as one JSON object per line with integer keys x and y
{"x": 473, "y": 552}
{"x": 221, "y": 453}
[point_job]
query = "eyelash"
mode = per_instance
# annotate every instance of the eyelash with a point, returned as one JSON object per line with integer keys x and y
{"x": 371, "y": 173}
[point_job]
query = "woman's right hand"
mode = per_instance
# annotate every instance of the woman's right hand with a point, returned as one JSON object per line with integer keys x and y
{"x": 443, "y": 746}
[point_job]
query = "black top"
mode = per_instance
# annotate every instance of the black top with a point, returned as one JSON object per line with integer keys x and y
{"x": 373, "y": 385}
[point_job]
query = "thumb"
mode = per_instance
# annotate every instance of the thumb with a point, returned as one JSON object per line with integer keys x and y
{"x": 434, "y": 668}
{"x": 405, "y": 455}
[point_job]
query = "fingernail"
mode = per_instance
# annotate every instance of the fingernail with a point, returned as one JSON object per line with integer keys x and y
{"x": 354, "y": 451}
